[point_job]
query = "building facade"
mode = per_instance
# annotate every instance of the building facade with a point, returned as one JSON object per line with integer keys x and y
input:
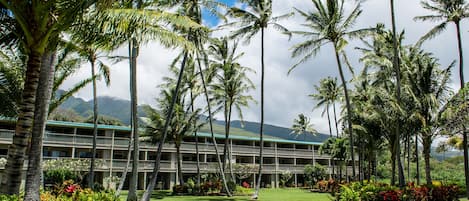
{"x": 74, "y": 140}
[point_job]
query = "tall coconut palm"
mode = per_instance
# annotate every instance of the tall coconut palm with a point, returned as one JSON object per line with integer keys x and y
{"x": 230, "y": 86}
{"x": 133, "y": 24}
{"x": 379, "y": 54}
{"x": 255, "y": 18}
{"x": 329, "y": 24}
{"x": 337, "y": 149}
{"x": 39, "y": 23}
{"x": 453, "y": 11}
{"x": 428, "y": 84}
{"x": 327, "y": 94}
{"x": 180, "y": 124}
{"x": 302, "y": 126}
{"x": 83, "y": 38}
{"x": 396, "y": 66}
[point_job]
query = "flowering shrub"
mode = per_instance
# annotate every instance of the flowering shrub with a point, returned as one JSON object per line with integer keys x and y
{"x": 384, "y": 192}
{"x": 390, "y": 195}
{"x": 245, "y": 185}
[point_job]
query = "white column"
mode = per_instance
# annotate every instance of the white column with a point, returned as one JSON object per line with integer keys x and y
{"x": 296, "y": 181}
{"x": 111, "y": 158}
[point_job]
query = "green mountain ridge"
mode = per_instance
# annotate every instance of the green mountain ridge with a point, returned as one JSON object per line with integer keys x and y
{"x": 120, "y": 109}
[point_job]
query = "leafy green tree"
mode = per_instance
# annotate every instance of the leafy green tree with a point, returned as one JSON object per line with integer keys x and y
{"x": 314, "y": 173}
{"x": 329, "y": 24}
{"x": 255, "y": 18}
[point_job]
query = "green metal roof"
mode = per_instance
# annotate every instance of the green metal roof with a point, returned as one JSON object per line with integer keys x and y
{"x": 86, "y": 125}
{"x": 202, "y": 134}
{"x": 266, "y": 139}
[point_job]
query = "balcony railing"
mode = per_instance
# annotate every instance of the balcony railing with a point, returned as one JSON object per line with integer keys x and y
{"x": 69, "y": 140}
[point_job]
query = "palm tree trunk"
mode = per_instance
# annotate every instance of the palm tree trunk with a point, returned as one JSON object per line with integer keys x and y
{"x": 349, "y": 109}
{"x": 126, "y": 169}
{"x": 426, "y": 142}
{"x": 133, "y": 45}
{"x": 43, "y": 95}
{"x": 16, "y": 152}
{"x": 393, "y": 163}
{"x": 417, "y": 176}
{"x": 396, "y": 65}
{"x": 210, "y": 120}
{"x": 95, "y": 126}
{"x": 196, "y": 140}
{"x": 230, "y": 165}
{"x": 329, "y": 120}
{"x": 408, "y": 156}
{"x": 227, "y": 134}
{"x": 461, "y": 80}
{"x": 261, "y": 129}
{"x": 335, "y": 119}
{"x": 156, "y": 166}
{"x": 179, "y": 164}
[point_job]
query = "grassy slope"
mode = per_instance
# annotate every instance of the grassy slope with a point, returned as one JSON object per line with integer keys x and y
{"x": 220, "y": 129}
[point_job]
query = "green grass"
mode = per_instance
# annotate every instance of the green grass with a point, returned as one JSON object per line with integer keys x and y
{"x": 289, "y": 194}
{"x": 265, "y": 195}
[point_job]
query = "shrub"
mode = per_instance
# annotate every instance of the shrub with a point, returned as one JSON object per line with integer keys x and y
{"x": 384, "y": 192}
{"x": 231, "y": 186}
{"x": 58, "y": 176}
{"x": 243, "y": 191}
{"x": 348, "y": 194}
{"x": 245, "y": 184}
{"x": 9, "y": 197}
{"x": 314, "y": 173}
{"x": 180, "y": 189}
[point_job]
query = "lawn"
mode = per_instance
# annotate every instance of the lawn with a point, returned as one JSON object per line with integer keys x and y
{"x": 289, "y": 194}
{"x": 265, "y": 195}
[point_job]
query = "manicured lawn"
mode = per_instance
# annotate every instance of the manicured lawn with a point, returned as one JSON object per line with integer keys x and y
{"x": 289, "y": 194}
{"x": 265, "y": 195}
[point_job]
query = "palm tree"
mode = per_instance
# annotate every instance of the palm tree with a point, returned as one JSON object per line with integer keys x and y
{"x": 302, "y": 125}
{"x": 337, "y": 149}
{"x": 257, "y": 16}
{"x": 396, "y": 66}
{"x": 181, "y": 123}
{"x": 447, "y": 12}
{"x": 428, "y": 84}
{"x": 230, "y": 86}
{"x": 36, "y": 30}
{"x": 197, "y": 36}
{"x": 327, "y": 93}
{"x": 83, "y": 37}
{"x": 132, "y": 24}
{"x": 329, "y": 24}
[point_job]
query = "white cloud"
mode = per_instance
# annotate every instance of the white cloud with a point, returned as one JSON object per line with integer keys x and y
{"x": 285, "y": 96}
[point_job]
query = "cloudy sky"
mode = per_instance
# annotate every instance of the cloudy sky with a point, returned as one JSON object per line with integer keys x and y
{"x": 286, "y": 95}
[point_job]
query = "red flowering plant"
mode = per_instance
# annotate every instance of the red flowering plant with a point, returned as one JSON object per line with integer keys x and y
{"x": 390, "y": 195}
{"x": 246, "y": 184}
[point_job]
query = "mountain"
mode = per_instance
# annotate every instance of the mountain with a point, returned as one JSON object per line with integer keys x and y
{"x": 275, "y": 131}
{"x": 120, "y": 109}
{"x": 109, "y": 106}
